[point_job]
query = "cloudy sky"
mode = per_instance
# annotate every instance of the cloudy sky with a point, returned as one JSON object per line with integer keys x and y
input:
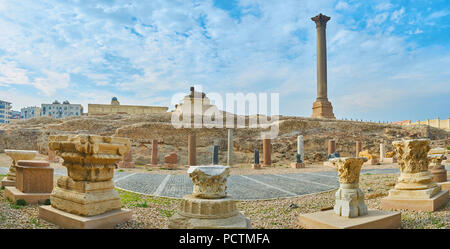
{"x": 386, "y": 60}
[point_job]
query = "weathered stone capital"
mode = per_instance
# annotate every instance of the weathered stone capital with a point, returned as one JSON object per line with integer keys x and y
{"x": 435, "y": 159}
{"x": 210, "y": 182}
{"x": 412, "y": 155}
{"x": 348, "y": 168}
{"x": 321, "y": 20}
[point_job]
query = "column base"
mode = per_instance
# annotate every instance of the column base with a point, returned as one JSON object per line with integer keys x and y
{"x": 424, "y": 204}
{"x": 296, "y": 165}
{"x": 389, "y": 160}
{"x": 31, "y": 198}
{"x": 239, "y": 221}
{"x": 256, "y": 166}
{"x": 322, "y": 108}
{"x": 6, "y": 182}
{"x": 170, "y": 166}
{"x": 445, "y": 185}
{"x": 375, "y": 219}
{"x": 68, "y": 220}
{"x": 439, "y": 174}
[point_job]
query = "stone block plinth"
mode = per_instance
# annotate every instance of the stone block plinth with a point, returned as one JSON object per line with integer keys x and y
{"x": 73, "y": 221}
{"x": 16, "y": 155}
{"x": 208, "y": 207}
{"x": 415, "y": 188}
{"x": 375, "y": 219}
{"x": 296, "y": 165}
{"x": 88, "y": 190}
{"x": 34, "y": 182}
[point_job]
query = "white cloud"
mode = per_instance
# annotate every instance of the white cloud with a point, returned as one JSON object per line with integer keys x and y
{"x": 397, "y": 15}
{"x": 53, "y": 81}
{"x": 342, "y": 5}
{"x": 384, "y": 6}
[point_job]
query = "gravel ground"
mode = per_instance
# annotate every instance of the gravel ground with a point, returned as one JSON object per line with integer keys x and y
{"x": 153, "y": 212}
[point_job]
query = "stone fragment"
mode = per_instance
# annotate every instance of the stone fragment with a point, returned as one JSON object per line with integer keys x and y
{"x": 171, "y": 161}
{"x": 127, "y": 161}
{"x": 52, "y": 157}
{"x": 436, "y": 168}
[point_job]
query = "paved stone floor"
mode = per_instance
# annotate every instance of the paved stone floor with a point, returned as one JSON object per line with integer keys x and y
{"x": 240, "y": 187}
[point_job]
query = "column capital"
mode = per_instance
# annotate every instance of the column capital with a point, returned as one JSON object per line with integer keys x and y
{"x": 321, "y": 20}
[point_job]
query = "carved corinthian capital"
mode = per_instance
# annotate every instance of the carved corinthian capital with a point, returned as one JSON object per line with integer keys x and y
{"x": 348, "y": 169}
{"x": 210, "y": 182}
{"x": 321, "y": 20}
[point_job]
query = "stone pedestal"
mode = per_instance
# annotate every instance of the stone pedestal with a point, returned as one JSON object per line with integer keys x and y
{"x": 87, "y": 193}
{"x": 256, "y": 166}
{"x": 155, "y": 158}
{"x": 415, "y": 188}
{"x": 296, "y": 165}
{"x": 16, "y": 155}
{"x": 192, "y": 150}
{"x": 349, "y": 210}
{"x": 34, "y": 182}
{"x": 208, "y": 207}
{"x": 267, "y": 151}
{"x": 390, "y": 160}
{"x": 322, "y": 108}
{"x": 436, "y": 168}
{"x": 171, "y": 161}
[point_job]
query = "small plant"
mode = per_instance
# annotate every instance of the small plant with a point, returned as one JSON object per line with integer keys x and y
{"x": 47, "y": 202}
{"x": 2, "y": 188}
{"x": 143, "y": 204}
{"x": 149, "y": 170}
{"x": 167, "y": 213}
{"x": 121, "y": 170}
{"x": 21, "y": 202}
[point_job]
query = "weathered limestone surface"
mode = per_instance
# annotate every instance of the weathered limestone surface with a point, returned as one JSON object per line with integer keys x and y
{"x": 349, "y": 197}
{"x": 415, "y": 183}
{"x": 17, "y": 155}
{"x": 88, "y": 190}
{"x": 127, "y": 161}
{"x": 34, "y": 182}
{"x": 209, "y": 207}
{"x": 436, "y": 168}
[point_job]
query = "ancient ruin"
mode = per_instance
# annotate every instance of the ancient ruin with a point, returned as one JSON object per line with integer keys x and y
{"x": 171, "y": 161}
{"x": 322, "y": 108}
{"x": 34, "y": 182}
{"x": 16, "y": 155}
{"x": 209, "y": 207}
{"x": 415, "y": 188}
{"x": 127, "y": 161}
{"x": 350, "y": 210}
{"x": 86, "y": 197}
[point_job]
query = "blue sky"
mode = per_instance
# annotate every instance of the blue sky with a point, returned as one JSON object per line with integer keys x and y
{"x": 386, "y": 60}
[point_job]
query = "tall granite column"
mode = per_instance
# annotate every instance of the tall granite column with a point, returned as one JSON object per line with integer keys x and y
{"x": 192, "y": 150}
{"x": 154, "y": 152}
{"x": 230, "y": 148}
{"x": 358, "y": 148}
{"x": 267, "y": 152}
{"x": 300, "y": 147}
{"x": 322, "y": 108}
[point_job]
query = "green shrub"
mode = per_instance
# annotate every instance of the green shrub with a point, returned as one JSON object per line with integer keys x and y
{"x": 21, "y": 202}
{"x": 47, "y": 202}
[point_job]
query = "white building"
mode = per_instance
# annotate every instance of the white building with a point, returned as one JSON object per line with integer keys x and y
{"x": 58, "y": 110}
{"x": 5, "y": 112}
{"x": 30, "y": 112}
